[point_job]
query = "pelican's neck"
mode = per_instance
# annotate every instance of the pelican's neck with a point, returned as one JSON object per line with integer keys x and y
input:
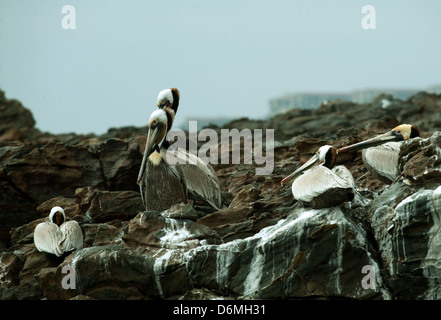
{"x": 58, "y": 218}
{"x": 170, "y": 118}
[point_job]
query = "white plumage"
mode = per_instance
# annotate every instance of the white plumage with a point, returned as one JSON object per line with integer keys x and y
{"x": 320, "y": 179}
{"x": 58, "y": 236}
{"x": 382, "y": 161}
{"x": 164, "y": 96}
{"x": 47, "y": 237}
{"x": 381, "y": 153}
{"x": 319, "y": 184}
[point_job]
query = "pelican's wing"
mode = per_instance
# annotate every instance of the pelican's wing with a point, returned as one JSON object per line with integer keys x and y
{"x": 316, "y": 181}
{"x": 200, "y": 178}
{"x": 47, "y": 237}
{"x": 382, "y": 161}
{"x": 345, "y": 175}
{"x": 73, "y": 236}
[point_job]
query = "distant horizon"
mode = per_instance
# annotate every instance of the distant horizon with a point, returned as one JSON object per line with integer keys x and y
{"x": 183, "y": 124}
{"x": 90, "y": 66}
{"x": 431, "y": 87}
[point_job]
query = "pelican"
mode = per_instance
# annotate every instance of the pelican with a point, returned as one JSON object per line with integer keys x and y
{"x": 381, "y": 153}
{"x": 168, "y": 99}
{"x": 163, "y": 184}
{"x": 321, "y": 184}
{"x": 58, "y": 236}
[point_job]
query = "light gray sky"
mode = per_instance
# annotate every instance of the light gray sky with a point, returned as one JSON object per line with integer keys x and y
{"x": 228, "y": 58}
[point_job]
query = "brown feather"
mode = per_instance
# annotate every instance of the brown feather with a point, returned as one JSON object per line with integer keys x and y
{"x": 331, "y": 157}
{"x": 58, "y": 218}
{"x": 414, "y": 131}
{"x": 176, "y": 96}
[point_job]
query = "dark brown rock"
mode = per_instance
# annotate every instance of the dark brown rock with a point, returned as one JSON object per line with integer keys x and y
{"x": 111, "y": 205}
{"x": 69, "y": 205}
{"x": 262, "y": 244}
{"x": 120, "y": 161}
{"x": 149, "y": 228}
{"x": 13, "y": 117}
{"x": 421, "y": 160}
{"x": 181, "y": 211}
{"x": 53, "y": 170}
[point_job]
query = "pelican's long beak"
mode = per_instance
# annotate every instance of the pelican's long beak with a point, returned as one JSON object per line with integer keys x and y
{"x": 150, "y": 143}
{"x": 392, "y": 135}
{"x": 308, "y": 164}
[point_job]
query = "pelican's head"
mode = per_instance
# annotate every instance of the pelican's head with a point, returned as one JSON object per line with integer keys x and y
{"x": 325, "y": 156}
{"x": 399, "y": 133}
{"x": 406, "y": 131}
{"x": 57, "y": 215}
{"x": 168, "y": 98}
{"x": 155, "y": 138}
{"x": 165, "y": 99}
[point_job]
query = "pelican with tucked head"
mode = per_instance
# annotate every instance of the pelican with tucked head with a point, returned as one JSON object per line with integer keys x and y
{"x": 168, "y": 98}
{"x": 381, "y": 153}
{"x": 163, "y": 184}
{"x": 57, "y": 235}
{"x": 319, "y": 183}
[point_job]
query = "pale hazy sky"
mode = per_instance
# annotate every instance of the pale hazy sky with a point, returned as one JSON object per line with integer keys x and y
{"x": 228, "y": 58}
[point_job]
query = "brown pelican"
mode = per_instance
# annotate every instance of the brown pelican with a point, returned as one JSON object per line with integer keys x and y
{"x": 168, "y": 98}
{"x": 381, "y": 153}
{"x": 163, "y": 184}
{"x": 58, "y": 236}
{"x": 321, "y": 184}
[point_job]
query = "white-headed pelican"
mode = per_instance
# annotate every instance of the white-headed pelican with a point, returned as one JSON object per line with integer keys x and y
{"x": 58, "y": 236}
{"x": 319, "y": 184}
{"x": 163, "y": 184}
{"x": 381, "y": 153}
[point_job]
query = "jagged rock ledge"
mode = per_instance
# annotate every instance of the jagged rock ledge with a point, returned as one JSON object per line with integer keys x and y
{"x": 262, "y": 244}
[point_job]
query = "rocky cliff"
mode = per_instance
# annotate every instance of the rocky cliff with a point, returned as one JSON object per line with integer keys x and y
{"x": 385, "y": 244}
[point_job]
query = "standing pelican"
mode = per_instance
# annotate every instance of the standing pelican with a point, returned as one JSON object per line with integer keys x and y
{"x": 321, "y": 184}
{"x": 381, "y": 153}
{"x": 58, "y": 236}
{"x": 163, "y": 184}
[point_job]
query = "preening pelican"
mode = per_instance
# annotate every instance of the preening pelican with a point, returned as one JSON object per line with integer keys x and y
{"x": 168, "y": 100}
{"x": 380, "y": 154}
{"x": 58, "y": 236}
{"x": 163, "y": 184}
{"x": 319, "y": 184}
